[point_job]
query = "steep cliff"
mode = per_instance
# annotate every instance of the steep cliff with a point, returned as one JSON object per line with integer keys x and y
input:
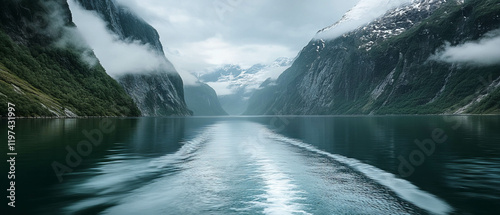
{"x": 46, "y": 71}
{"x": 391, "y": 66}
{"x": 202, "y": 100}
{"x": 157, "y": 92}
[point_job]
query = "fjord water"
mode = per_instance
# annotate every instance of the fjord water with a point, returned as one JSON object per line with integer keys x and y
{"x": 261, "y": 165}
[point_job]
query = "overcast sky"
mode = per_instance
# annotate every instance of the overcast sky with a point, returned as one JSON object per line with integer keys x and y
{"x": 200, "y": 34}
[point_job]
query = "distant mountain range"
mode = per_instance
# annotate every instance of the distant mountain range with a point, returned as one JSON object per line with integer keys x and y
{"x": 415, "y": 59}
{"x": 235, "y": 85}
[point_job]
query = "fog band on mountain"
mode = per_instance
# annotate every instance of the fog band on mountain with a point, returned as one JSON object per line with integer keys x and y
{"x": 482, "y": 52}
{"x": 116, "y": 56}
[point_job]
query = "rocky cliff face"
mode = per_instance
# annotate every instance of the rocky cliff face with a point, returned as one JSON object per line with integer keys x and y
{"x": 389, "y": 66}
{"x": 124, "y": 23}
{"x": 156, "y": 93}
{"x": 44, "y": 68}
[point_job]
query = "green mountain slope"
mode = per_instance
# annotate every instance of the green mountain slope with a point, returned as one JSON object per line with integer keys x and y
{"x": 43, "y": 77}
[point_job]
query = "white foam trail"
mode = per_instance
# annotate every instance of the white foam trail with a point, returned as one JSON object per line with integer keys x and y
{"x": 281, "y": 194}
{"x": 116, "y": 174}
{"x": 187, "y": 149}
{"x": 401, "y": 187}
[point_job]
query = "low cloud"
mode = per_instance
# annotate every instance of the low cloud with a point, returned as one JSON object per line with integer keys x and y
{"x": 189, "y": 79}
{"x": 216, "y": 51}
{"x": 483, "y": 52}
{"x": 116, "y": 56}
{"x": 363, "y": 13}
{"x": 203, "y": 34}
{"x": 54, "y": 25}
{"x": 222, "y": 88}
{"x": 71, "y": 37}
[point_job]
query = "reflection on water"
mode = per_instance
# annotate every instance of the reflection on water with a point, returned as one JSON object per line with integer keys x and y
{"x": 261, "y": 165}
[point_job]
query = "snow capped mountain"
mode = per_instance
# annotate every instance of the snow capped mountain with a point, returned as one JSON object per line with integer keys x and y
{"x": 229, "y": 79}
{"x": 234, "y": 85}
{"x": 397, "y": 21}
{"x": 366, "y": 11}
{"x": 223, "y": 71}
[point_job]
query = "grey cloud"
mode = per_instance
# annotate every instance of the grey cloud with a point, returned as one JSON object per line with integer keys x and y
{"x": 245, "y": 29}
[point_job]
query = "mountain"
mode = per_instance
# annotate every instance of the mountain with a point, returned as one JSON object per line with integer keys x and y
{"x": 46, "y": 71}
{"x": 236, "y": 84}
{"x": 412, "y": 60}
{"x": 223, "y": 71}
{"x": 202, "y": 100}
{"x": 157, "y": 92}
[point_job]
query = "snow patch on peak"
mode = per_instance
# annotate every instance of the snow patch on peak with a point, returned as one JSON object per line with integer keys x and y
{"x": 363, "y": 13}
{"x": 282, "y": 61}
{"x": 232, "y": 79}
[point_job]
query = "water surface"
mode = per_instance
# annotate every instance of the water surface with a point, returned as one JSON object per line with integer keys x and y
{"x": 261, "y": 165}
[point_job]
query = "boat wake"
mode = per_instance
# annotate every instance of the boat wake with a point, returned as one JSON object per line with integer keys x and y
{"x": 401, "y": 187}
{"x": 243, "y": 167}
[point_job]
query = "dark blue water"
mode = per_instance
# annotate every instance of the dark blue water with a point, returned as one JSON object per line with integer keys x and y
{"x": 258, "y": 165}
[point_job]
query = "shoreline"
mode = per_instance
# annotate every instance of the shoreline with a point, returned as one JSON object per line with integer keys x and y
{"x": 245, "y": 116}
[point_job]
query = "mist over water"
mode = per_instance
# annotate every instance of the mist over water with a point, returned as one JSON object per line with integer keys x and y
{"x": 296, "y": 165}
